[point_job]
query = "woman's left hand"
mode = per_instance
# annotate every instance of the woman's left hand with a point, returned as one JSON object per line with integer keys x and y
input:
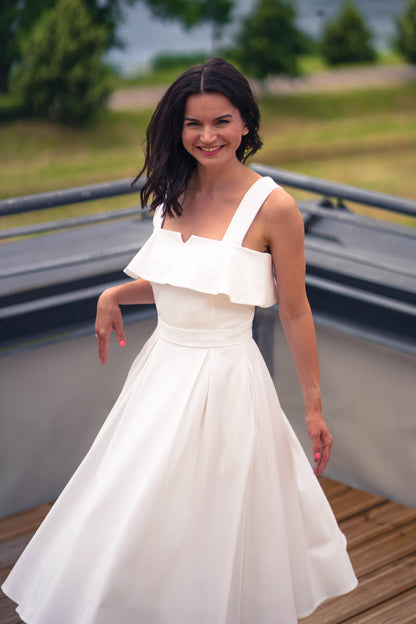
{"x": 321, "y": 440}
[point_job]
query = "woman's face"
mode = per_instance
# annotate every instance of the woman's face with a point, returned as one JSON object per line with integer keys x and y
{"x": 212, "y": 129}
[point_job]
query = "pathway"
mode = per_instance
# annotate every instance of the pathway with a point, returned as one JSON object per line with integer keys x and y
{"x": 130, "y": 98}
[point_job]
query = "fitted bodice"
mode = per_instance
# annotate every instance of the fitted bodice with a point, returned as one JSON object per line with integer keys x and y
{"x": 193, "y": 318}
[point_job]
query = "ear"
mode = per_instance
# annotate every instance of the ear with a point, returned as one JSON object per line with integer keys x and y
{"x": 245, "y": 130}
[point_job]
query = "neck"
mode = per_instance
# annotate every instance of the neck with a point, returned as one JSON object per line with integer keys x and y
{"x": 210, "y": 181}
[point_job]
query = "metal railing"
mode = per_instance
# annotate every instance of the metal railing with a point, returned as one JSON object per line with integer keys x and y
{"x": 339, "y": 191}
{"x": 324, "y": 188}
{"x": 339, "y": 293}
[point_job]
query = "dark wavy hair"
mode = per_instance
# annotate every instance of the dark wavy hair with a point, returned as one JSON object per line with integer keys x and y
{"x": 168, "y": 165}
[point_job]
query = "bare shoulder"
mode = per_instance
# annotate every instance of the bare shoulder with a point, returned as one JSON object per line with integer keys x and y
{"x": 280, "y": 212}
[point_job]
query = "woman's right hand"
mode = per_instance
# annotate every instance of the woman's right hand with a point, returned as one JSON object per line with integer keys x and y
{"x": 108, "y": 319}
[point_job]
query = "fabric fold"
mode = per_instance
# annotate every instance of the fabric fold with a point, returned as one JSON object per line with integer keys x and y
{"x": 206, "y": 265}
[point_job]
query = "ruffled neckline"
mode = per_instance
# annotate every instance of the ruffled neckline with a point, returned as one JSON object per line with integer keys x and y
{"x": 209, "y": 265}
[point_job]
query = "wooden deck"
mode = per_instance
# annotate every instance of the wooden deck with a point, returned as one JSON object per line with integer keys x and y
{"x": 381, "y": 541}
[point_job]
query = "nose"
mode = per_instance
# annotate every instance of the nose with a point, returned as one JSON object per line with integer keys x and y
{"x": 208, "y": 134}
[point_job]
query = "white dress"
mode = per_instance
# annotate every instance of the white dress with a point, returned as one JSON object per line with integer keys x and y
{"x": 196, "y": 503}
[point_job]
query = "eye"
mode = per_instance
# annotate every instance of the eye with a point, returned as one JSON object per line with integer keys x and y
{"x": 223, "y": 121}
{"x": 190, "y": 124}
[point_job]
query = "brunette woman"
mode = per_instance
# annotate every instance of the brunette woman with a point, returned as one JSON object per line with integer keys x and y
{"x": 196, "y": 503}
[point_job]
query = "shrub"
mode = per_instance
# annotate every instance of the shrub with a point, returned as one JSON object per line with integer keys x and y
{"x": 167, "y": 61}
{"x": 61, "y": 75}
{"x": 405, "y": 42}
{"x": 268, "y": 42}
{"x": 347, "y": 39}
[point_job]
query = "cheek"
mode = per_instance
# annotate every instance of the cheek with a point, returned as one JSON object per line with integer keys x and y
{"x": 187, "y": 136}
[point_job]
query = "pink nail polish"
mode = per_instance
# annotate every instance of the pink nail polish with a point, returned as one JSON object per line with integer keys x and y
{"x": 122, "y": 343}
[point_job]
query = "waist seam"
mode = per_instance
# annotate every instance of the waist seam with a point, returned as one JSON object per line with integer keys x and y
{"x": 209, "y": 338}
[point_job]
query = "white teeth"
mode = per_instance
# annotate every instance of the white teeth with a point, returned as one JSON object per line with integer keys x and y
{"x": 210, "y": 149}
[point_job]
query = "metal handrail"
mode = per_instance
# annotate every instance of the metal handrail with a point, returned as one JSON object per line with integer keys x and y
{"x": 64, "y": 197}
{"x": 64, "y": 224}
{"x": 40, "y": 201}
{"x": 339, "y": 191}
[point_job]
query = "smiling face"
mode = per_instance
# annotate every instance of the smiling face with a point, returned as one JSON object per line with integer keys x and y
{"x": 212, "y": 129}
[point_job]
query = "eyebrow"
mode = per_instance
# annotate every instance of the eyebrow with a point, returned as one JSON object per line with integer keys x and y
{"x": 216, "y": 119}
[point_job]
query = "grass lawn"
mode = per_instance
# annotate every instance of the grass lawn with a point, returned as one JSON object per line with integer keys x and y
{"x": 366, "y": 138}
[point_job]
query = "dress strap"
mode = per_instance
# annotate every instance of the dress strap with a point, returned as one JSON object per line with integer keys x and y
{"x": 158, "y": 217}
{"x": 248, "y": 209}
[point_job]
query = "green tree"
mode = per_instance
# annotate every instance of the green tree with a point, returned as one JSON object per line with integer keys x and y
{"x": 9, "y": 13}
{"x": 347, "y": 39}
{"x": 60, "y": 75}
{"x": 405, "y": 42}
{"x": 268, "y": 43}
{"x": 17, "y": 18}
{"x": 217, "y": 13}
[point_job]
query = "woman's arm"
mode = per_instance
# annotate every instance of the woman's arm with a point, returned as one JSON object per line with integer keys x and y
{"x": 285, "y": 238}
{"x": 109, "y": 317}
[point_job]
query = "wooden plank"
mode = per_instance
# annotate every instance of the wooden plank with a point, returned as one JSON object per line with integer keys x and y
{"x": 382, "y": 543}
{"x": 8, "y": 613}
{"x": 399, "y": 610}
{"x": 332, "y": 488}
{"x": 11, "y": 550}
{"x": 384, "y": 549}
{"x": 372, "y": 590}
{"x": 23, "y": 522}
{"x": 354, "y": 502}
{"x": 375, "y": 522}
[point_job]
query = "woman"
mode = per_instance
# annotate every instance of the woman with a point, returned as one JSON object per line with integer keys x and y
{"x": 196, "y": 503}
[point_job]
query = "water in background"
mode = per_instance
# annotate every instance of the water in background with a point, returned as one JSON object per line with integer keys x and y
{"x": 144, "y": 36}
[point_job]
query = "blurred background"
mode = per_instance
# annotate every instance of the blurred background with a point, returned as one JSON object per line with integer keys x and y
{"x": 144, "y": 37}
{"x": 79, "y": 79}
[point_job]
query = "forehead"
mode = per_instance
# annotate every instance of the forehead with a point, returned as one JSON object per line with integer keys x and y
{"x": 212, "y": 104}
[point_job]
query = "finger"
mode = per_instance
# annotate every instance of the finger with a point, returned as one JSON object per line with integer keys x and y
{"x": 102, "y": 346}
{"x": 121, "y": 337}
{"x": 316, "y": 446}
{"x": 320, "y": 466}
{"x": 322, "y": 458}
{"x": 318, "y": 462}
{"x": 118, "y": 328}
{"x": 326, "y": 452}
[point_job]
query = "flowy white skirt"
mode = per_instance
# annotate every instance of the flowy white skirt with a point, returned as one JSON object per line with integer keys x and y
{"x": 196, "y": 503}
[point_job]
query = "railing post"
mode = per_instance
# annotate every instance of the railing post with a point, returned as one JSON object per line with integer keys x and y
{"x": 263, "y": 334}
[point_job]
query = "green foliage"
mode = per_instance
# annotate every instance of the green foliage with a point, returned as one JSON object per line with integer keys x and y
{"x": 8, "y": 37}
{"x": 268, "y": 42}
{"x": 193, "y": 12}
{"x": 166, "y": 61}
{"x": 218, "y": 14}
{"x": 11, "y": 108}
{"x": 347, "y": 39}
{"x": 61, "y": 75}
{"x": 17, "y": 18}
{"x": 405, "y": 42}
